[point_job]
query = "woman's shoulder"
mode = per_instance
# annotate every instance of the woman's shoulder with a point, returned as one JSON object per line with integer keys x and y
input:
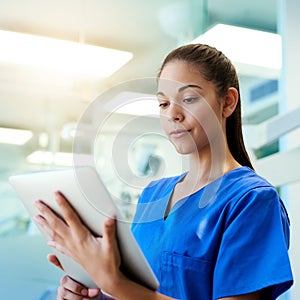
{"x": 247, "y": 178}
{"x": 244, "y": 185}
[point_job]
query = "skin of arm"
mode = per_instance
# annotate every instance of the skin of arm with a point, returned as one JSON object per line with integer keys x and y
{"x": 252, "y": 296}
{"x": 99, "y": 256}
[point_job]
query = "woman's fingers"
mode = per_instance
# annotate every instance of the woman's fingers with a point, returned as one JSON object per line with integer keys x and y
{"x": 71, "y": 237}
{"x": 93, "y": 292}
{"x": 53, "y": 225}
{"x": 68, "y": 212}
{"x": 109, "y": 241}
{"x": 109, "y": 238}
{"x": 73, "y": 286}
{"x": 70, "y": 289}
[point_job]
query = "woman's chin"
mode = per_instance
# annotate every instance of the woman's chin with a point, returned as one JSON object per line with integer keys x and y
{"x": 182, "y": 149}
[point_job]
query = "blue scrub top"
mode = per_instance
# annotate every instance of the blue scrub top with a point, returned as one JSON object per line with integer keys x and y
{"x": 229, "y": 238}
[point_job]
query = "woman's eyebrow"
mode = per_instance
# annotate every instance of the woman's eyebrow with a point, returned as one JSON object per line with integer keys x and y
{"x": 160, "y": 94}
{"x": 182, "y": 88}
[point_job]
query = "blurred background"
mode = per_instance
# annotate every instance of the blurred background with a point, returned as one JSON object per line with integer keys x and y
{"x": 61, "y": 93}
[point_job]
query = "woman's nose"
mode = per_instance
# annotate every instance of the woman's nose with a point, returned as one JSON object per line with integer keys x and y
{"x": 175, "y": 113}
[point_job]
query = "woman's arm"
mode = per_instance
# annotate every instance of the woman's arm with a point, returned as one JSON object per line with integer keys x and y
{"x": 252, "y": 296}
{"x": 73, "y": 290}
{"x": 99, "y": 256}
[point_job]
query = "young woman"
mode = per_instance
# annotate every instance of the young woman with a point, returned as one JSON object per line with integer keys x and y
{"x": 218, "y": 231}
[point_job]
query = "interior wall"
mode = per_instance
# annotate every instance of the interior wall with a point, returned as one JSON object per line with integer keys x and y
{"x": 289, "y": 23}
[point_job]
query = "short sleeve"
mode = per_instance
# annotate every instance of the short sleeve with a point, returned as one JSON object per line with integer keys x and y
{"x": 254, "y": 248}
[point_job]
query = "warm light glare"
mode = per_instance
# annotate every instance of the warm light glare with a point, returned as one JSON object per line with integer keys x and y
{"x": 60, "y": 55}
{"x": 245, "y": 46}
{"x": 14, "y": 136}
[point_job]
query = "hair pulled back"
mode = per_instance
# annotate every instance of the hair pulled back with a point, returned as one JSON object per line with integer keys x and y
{"x": 218, "y": 69}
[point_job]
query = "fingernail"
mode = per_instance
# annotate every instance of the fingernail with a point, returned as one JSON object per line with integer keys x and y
{"x": 84, "y": 292}
{"x": 37, "y": 219}
{"x": 37, "y": 202}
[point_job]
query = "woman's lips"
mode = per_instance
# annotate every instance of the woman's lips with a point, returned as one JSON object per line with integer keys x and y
{"x": 179, "y": 133}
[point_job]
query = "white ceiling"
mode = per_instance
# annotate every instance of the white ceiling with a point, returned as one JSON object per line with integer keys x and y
{"x": 39, "y": 100}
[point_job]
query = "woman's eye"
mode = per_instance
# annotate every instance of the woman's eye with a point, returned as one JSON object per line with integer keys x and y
{"x": 163, "y": 104}
{"x": 190, "y": 99}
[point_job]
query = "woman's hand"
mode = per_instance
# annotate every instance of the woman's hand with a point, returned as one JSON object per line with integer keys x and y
{"x": 99, "y": 256}
{"x": 72, "y": 290}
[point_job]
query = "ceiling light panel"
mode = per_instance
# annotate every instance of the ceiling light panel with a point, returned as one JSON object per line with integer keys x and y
{"x": 59, "y": 55}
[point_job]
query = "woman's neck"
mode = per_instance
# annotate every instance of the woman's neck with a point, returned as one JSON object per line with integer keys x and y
{"x": 207, "y": 167}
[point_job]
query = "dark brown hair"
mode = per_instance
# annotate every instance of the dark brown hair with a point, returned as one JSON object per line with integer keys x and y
{"x": 218, "y": 69}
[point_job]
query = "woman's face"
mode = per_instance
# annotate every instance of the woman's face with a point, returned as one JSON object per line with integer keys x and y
{"x": 190, "y": 110}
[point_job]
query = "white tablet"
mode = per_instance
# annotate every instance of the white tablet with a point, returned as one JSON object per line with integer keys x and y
{"x": 89, "y": 197}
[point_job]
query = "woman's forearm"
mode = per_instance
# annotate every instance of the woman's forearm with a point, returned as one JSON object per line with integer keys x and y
{"x": 126, "y": 289}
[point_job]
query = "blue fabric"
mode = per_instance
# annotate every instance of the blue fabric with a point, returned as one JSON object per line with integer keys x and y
{"x": 229, "y": 238}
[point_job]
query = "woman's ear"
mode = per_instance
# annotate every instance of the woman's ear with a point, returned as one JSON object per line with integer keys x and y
{"x": 230, "y": 102}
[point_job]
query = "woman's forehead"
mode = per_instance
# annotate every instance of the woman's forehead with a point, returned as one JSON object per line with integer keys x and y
{"x": 176, "y": 70}
{"x": 177, "y": 74}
